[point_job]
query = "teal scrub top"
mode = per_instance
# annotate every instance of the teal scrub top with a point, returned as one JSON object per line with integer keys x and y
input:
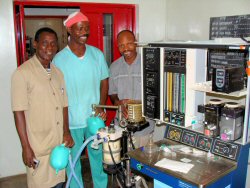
{"x": 83, "y": 78}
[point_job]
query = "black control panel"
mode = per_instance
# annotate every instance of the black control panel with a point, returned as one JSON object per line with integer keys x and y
{"x": 151, "y": 106}
{"x": 225, "y": 149}
{"x": 228, "y": 79}
{"x": 151, "y": 59}
{"x": 204, "y": 143}
{"x": 151, "y": 79}
{"x": 188, "y": 137}
{"x": 216, "y": 146}
{"x": 174, "y": 85}
{"x": 175, "y": 60}
{"x": 174, "y": 133}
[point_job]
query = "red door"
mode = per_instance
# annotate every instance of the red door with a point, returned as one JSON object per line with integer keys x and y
{"x": 96, "y": 31}
{"x": 121, "y": 18}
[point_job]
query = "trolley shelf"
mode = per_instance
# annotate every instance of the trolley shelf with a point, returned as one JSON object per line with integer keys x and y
{"x": 207, "y": 87}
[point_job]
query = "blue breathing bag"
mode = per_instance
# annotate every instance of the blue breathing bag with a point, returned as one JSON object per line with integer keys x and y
{"x": 59, "y": 157}
{"x": 94, "y": 123}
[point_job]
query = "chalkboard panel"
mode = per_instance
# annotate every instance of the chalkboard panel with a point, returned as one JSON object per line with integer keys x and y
{"x": 229, "y": 27}
{"x": 226, "y": 58}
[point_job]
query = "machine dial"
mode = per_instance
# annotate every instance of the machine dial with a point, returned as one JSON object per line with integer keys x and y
{"x": 226, "y": 150}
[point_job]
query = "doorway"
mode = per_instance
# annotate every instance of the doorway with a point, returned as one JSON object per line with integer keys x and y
{"x": 33, "y": 24}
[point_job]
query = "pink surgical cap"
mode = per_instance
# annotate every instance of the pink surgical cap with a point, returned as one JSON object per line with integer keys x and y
{"x": 74, "y": 18}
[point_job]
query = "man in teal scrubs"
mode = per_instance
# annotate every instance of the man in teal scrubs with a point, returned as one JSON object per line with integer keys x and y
{"x": 86, "y": 75}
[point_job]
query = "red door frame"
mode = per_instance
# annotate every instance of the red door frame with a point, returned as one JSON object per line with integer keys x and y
{"x": 20, "y": 33}
{"x": 82, "y": 6}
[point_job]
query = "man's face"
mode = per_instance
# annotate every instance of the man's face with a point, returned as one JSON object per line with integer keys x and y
{"x": 79, "y": 32}
{"x": 46, "y": 46}
{"x": 127, "y": 46}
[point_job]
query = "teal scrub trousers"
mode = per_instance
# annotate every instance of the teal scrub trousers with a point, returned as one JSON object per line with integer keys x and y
{"x": 99, "y": 177}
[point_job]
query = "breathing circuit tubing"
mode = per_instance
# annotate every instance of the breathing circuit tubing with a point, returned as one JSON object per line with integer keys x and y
{"x": 72, "y": 164}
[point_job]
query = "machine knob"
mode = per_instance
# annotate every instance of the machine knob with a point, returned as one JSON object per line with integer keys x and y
{"x": 139, "y": 166}
{"x": 178, "y": 122}
{"x": 225, "y": 149}
{"x": 186, "y": 138}
{"x": 123, "y": 123}
{"x": 177, "y": 134}
{"x": 172, "y": 134}
{"x": 208, "y": 145}
{"x": 202, "y": 142}
{"x": 192, "y": 140}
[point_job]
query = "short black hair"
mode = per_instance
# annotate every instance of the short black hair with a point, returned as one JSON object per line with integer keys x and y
{"x": 42, "y": 30}
{"x": 124, "y": 31}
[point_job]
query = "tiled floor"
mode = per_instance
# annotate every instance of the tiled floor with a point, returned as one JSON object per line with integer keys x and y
{"x": 14, "y": 182}
{"x": 20, "y": 180}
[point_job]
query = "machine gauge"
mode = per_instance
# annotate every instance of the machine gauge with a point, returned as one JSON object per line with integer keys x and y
{"x": 204, "y": 142}
{"x": 189, "y": 137}
{"x": 174, "y": 133}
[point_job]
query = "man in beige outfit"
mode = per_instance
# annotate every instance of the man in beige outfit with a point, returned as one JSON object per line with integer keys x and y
{"x": 40, "y": 107}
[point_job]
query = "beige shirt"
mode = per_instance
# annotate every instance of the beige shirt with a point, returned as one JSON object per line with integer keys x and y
{"x": 42, "y": 97}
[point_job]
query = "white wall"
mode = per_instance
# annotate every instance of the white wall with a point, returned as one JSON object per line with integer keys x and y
{"x": 10, "y": 151}
{"x": 189, "y": 20}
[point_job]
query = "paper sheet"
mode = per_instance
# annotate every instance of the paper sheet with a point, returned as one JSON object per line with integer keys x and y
{"x": 186, "y": 150}
{"x": 185, "y": 160}
{"x": 174, "y": 165}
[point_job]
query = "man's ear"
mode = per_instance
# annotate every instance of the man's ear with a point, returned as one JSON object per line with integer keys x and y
{"x": 136, "y": 44}
{"x": 35, "y": 44}
{"x": 68, "y": 29}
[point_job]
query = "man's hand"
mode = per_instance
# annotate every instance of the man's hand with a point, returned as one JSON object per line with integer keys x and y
{"x": 100, "y": 112}
{"x": 28, "y": 157}
{"x": 124, "y": 106}
{"x": 27, "y": 153}
{"x": 68, "y": 140}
